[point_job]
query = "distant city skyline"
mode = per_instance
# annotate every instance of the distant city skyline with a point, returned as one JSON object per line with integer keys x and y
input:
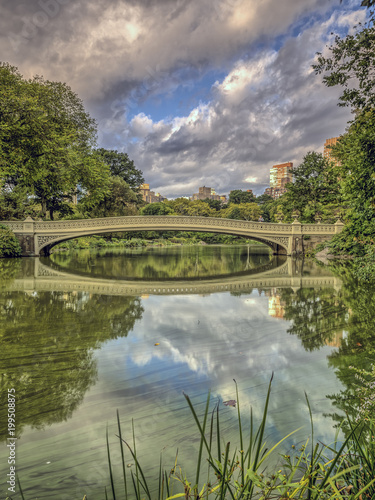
{"x": 279, "y": 175}
{"x": 197, "y": 93}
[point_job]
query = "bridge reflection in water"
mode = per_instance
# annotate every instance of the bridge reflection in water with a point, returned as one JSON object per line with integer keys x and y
{"x": 281, "y": 272}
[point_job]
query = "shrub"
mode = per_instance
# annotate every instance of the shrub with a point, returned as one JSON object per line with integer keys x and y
{"x": 9, "y": 245}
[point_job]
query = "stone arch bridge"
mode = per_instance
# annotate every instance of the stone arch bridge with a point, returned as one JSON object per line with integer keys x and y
{"x": 38, "y": 237}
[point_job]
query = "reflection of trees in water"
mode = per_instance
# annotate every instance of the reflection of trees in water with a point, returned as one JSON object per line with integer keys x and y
{"x": 357, "y": 349}
{"x": 47, "y": 343}
{"x": 9, "y": 269}
{"x": 317, "y": 315}
{"x": 162, "y": 263}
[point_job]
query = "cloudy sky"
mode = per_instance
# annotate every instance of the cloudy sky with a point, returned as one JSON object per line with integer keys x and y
{"x": 197, "y": 92}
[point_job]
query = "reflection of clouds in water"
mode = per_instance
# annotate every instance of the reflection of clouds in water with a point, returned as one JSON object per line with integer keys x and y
{"x": 223, "y": 337}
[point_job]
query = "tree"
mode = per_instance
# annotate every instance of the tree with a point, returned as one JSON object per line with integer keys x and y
{"x": 356, "y": 153}
{"x": 46, "y": 141}
{"x": 183, "y": 206}
{"x": 119, "y": 201}
{"x": 352, "y": 62}
{"x": 9, "y": 245}
{"x": 156, "y": 209}
{"x": 266, "y": 203}
{"x": 351, "y": 65}
{"x": 120, "y": 165}
{"x": 214, "y": 204}
{"x": 263, "y": 198}
{"x": 315, "y": 185}
{"x": 239, "y": 196}
{"x": 242, "y": 211}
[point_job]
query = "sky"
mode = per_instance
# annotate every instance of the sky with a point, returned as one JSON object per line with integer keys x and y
{"x": 196, "y": 92}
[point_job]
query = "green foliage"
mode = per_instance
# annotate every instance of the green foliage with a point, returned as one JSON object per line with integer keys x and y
{"x": 315, "y": 188}
{"x": 238, "y": 196}
{"x": 9, "y": 244}
{"x": 215, "y": 204}
{"x": 157, "y": 209}
{"x": 120, "y": 200}
{"x": 356, "y": 153}
{"x": 122, "y": 166}
{"x": 242, "y": 211}
{"x": 351, "y": 65}
{"x": 195, "y": 208}
{"x": 233, "y": 213}
{"x": 365, "y": 393}
{"x": 46, "y": 141}
{"x": 364, "y": 268}
{"x": 15, "y": 204}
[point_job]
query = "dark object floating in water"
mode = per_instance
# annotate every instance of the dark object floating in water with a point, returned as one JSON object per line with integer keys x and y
{"x": 230, "y": 402}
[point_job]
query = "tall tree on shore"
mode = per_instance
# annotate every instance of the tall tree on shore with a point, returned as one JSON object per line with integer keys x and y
{"x": 47, "y": 140}
{"x": 121, "y": 165}
{"x": 351, "y": 65}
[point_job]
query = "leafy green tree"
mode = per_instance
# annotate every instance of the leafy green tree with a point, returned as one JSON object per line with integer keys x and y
{"x": 121, "y": 165}
{"x": 233, "y": 213}
{"x": 9, "y": 245}
{"x": 242, "y": 211}
{"x": 214, "y": 204}
{"x": 351, "y": 65}
{"x": 46, "y": 141}
{"x": 183, "y": 206}
{"x": 263, "y": 199}
{"x": 238, "y": 196}
{"x": 356, "y": 153}
{"x": 16, "y": 204}
{"x": 315, "y": 185}
{"x": 119, "y": 201}
{"x": 156, "y": 209}
{"x": 266, "y": 202}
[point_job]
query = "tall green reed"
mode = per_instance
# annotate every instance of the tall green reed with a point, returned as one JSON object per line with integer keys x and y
{"x": 313, "y": 471}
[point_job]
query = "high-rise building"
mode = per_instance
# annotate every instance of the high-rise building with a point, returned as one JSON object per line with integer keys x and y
{"x": 280, "y": 176}
{"x": 327, "y": 152}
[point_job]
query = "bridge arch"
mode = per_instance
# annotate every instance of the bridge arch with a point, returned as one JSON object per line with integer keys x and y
{"x": 275, "y": 246}
{"x": 38, "y": 237}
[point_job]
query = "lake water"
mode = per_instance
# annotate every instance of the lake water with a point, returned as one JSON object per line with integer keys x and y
{"x": 86, "y": 333}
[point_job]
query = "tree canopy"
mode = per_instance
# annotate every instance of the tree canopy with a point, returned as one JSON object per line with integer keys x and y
{"x": 351, "y": 65}
{"x": 238, "y": 196}
{"x": 46, "y": 141}
{"x": 122, "y": 166}
{"x": 315, "y": 191}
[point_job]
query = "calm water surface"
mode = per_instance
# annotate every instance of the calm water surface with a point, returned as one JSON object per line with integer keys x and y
{"x": 86, "y": 333}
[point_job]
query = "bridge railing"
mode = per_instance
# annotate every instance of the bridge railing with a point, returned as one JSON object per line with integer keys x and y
{"x": 30, "y": 226}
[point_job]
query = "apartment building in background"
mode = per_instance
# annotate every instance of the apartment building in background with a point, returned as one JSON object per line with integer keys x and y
{"x": 207, "y": 192}
{"x": 150, "y": 196}
{"x": 327, "y": 153}
{"x": 280, "y": 176}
